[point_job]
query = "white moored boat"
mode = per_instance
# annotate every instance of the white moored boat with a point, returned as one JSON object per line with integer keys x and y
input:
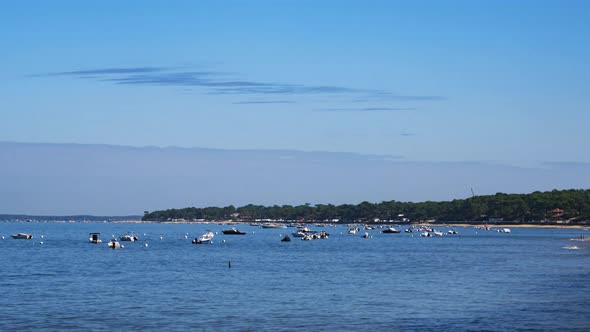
{"x": 206, "y": 238}
{"x": 94, "y": 238}
{"x": 114, "y": 244}
{"x": 128, "y": 237}
{"x": 390, "y": 230}
{"x": 352, "y": 230}
{"x": 22, "y": 236}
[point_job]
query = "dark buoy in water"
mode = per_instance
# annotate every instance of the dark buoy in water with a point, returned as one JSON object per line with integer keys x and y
{"x": 229, "y": 264}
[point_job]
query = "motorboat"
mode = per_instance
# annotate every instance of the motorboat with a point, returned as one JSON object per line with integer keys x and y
{"x": 438, "y": 233}
{"x": 94, "y": 238}
{"x": 352, "y": 230}
{"x": 233, "y": 231}
{"x": 114, "y": 244}
{"x": 128, "y": 237}
{"x": 298, "y": 234}
{"x": 305, "y": 230}
{"x": 206, "y": 238}
{"x": 366, "y": 236}
{"x": 22, "y": 236}
{"x": 425, "y": 234}
{"x": 323, "y": 235}
{"x": 452, "y": 231}
{"x": 390, "y": 230}
{"x": 409, "y": 230}
{"x": 286, "y": 239}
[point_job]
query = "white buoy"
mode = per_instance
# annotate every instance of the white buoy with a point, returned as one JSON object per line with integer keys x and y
{"x": 223, "y": 241}
{"x": 41, "y": 236}
{"x": 145, "y": 244}
{"x": 3, "y": 238}
{"x": 41, "y": 242}
{"x": 161, "y": 237}
{"x": 186, "y": 236}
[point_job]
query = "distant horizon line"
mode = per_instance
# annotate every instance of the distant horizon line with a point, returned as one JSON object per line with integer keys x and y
{"x": 390, "y": 157}
{"x": 151, "y": 146}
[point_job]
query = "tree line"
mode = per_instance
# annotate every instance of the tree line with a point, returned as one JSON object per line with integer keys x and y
{"x": 551, "y": 206}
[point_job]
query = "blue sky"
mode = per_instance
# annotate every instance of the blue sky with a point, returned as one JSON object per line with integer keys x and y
{"x": 501, "y": 82}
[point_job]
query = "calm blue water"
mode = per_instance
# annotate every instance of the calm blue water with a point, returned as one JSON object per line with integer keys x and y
{"x": 483, "y": 281}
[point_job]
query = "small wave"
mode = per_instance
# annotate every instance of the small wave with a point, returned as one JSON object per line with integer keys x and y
{"x": 572, "y": 248}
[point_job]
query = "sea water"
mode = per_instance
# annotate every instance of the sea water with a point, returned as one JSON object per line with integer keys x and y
{"x": 532, "y": 279}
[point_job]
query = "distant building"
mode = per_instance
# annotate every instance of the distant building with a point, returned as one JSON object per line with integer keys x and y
{"x": 495, "y": 219}
{"x": 246, "y": 216}
{"x": 557, "y": 212}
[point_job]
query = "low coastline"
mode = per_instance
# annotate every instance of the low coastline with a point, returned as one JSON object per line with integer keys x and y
{"x": 451, "y": 224}
{"x": 232, "y": 222}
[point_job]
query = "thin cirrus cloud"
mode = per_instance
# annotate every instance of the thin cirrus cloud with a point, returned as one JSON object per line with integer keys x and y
{"x": 109, "y": 71}
{"x": 366, "y": 109}
{"x": 256, "y": 102}
{"x": 217, "y": 82}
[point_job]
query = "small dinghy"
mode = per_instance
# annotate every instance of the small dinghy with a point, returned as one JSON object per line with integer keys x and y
{"x": 114, "y": 244}
{"x": 22, "y": 236}
{"x": 206, "y": 238}
{"x": 94, "y": 238}
{"x": 128, "y": 237}
{"x": 286, "y": 239}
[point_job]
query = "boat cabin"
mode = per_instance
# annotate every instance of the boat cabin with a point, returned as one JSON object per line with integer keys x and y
{"x": 94, "y": 238}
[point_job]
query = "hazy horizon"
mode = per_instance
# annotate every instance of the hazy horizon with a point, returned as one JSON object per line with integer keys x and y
{"x": 70, "y": 179}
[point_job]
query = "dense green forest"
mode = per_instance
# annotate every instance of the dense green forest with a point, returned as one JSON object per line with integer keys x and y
{"x": 572, "y": 206}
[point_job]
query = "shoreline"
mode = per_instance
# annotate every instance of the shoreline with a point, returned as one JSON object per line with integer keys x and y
{"x": 507, "y": 225}
{"x": 228, "y": 222}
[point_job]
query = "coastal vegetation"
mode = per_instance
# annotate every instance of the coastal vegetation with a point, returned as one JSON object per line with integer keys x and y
{"x": 557, "y": 206}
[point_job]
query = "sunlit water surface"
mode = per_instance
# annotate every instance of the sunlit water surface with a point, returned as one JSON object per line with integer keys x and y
{"x": 531, "y": 279}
